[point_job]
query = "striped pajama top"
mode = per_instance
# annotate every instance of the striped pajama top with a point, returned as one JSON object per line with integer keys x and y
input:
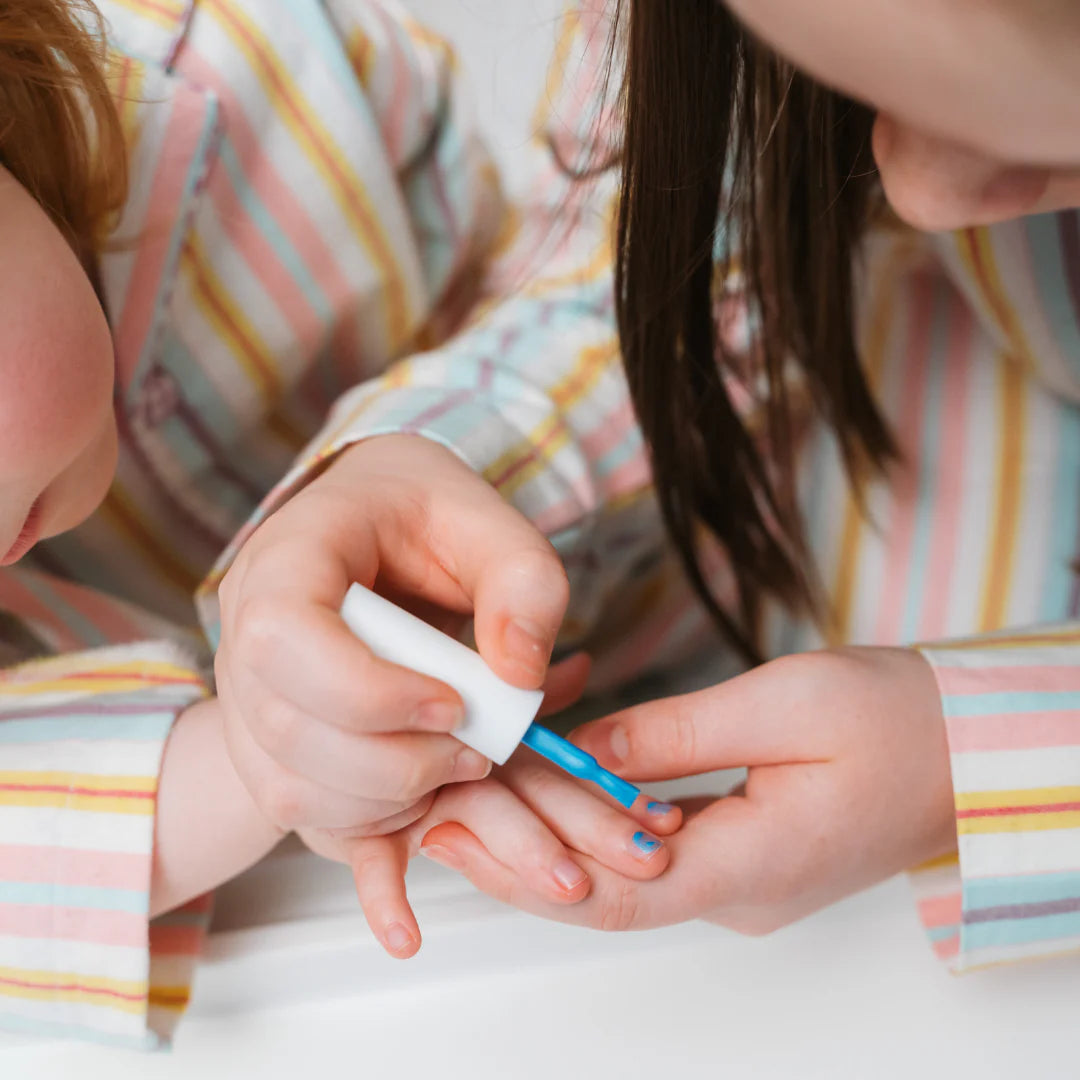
{"x": 315, "y": 251}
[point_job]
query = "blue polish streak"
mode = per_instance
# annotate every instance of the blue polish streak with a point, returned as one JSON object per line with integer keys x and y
{"x": 645, "y": 843}
{"x": 577, "y": 763}
{"x": 659, "y": 808}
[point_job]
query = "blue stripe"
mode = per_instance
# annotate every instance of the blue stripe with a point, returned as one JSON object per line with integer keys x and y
{"x": 1008, "y": 701}
{"x": 1025, "y": 889}
{"x": 1021, "y": 931}
{"x": 940, "y": 933}
{"x": 140, "y": 1040}
{"x": 150, "y": 727}
{"x": 88, "y": 634}
{"x": 1065, "y": 510}
{"x": 50, "y": 895}
{"x": 1048, "y": 260}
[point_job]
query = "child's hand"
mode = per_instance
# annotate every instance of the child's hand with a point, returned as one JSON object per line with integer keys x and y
{"x": 323, "y": 733}
{"x": 534, "y": 821}
{"x": 849, "y": 783}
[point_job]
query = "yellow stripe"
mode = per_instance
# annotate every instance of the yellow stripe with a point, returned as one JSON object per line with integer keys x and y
{"x": 230, "y": 323}
{"x": 942, "y": 861}
{"x": 881, "y": 323}
{"x": 146, "y": 784}
{"x": 999, "y": 568}
{"x": 54, "y": 986}
{"x": 90, "y": 804}
{"x": 591, "y": 363}
{"x": 1041, "y": 640}
{"x": 163, "y": 12}
{"x": 1008, "y": 823}
{"x": 557, "y": 76}
{"x": 983, "y": 800}
{"x": 343, "y": 184}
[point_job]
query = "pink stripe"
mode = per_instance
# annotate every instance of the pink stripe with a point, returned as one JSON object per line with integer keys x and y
{"x": 106, "y": 614}
{"x": 945, "y": 910}
{"x": 281, "y": 201}
{"x": 73, "y": 924}
{"x": 909, "y": 422}
{"x": 65, "y": 866}
{"x": 948, "y": 948}
{"x": 949, "y": 468}
{"x": 186, "y": 125}
{"x": 1006, "y": 731}
{"x": 393, "y": 118}
{"x": 987, "y": 680}
{"x": 261, "y": 258}
{"x": 176, "y": 940}
{"x": 19, "y": 600}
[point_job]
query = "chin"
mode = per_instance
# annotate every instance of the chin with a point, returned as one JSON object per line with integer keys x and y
{"x": 83, "y": 488}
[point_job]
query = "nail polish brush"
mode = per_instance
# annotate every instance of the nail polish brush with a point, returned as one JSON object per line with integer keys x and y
{"x": 498, "y": 717}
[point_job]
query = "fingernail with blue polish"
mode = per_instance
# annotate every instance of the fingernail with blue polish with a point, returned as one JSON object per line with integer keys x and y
{"x": 644, "y": 846}
{"x": 659, "y": 808}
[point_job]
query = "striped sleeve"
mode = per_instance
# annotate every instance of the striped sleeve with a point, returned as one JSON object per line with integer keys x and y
{"x": 528, "y": 389}
{"x": 81, "y": 742}
{"x": 1012, "y": 710}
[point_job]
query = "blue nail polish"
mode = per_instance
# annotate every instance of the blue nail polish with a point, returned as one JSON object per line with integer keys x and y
{"x": 659, "y": 808}
{"x": 645, "y": 843}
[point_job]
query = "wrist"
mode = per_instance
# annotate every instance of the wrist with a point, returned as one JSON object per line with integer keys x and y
{"x": 208, "y": 828}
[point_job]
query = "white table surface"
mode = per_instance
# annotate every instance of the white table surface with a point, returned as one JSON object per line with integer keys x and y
{"x": 299, "y": 988}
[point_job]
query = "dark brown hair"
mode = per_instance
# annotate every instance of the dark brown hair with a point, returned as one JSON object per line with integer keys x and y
{"x": 715, "y": 124}
{"x": 60, "y": 132}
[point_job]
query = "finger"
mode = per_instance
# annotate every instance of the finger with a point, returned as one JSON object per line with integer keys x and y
{"x": 378, "y": 869}
{"x": 565, "y": 683}
{"x": 719, "y": 860}
{"x": 393, "y": 768}
{"x": 515, "y": 836}
{"x": 291, "y": 800}
{"x": 524, "y": 771}
{"x": 516, "y": 582}
{"x": 588, "y": 824}
{"x": 755, "y": 719}
{"x": 305, "y": 653}
{"x": 389, "y": 825}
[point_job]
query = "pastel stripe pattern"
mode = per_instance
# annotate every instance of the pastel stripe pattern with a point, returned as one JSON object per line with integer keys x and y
{"x": 309, "y": 200}
{"x": 81, "y": 739}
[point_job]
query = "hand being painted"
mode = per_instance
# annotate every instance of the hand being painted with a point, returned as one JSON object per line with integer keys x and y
{"x": 848, "y": 784}
{"x": 539, "y": 825}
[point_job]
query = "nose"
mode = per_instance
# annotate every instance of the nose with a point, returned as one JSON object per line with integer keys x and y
{"x": 936, "y": 185}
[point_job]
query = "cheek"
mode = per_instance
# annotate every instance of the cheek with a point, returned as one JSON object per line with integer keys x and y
{"x": 57, "y": 381}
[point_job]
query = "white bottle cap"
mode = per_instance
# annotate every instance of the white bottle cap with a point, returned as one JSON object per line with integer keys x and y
{"x": 497, "y": 714}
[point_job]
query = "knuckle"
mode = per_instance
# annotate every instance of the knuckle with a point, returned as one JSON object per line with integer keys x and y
{"x": 279, "y": 726}
{"x": 412, "y": 779}
{"x": 682, "y": 735}
{"x": 260, "y": 627}
{"x": 282, "y": 801}
{"x": 618, "y": 911}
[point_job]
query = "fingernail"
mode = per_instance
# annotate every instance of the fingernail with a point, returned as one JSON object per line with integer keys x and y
{"x": 438, "y": 716}
{"x": 659, "y": 808}
{"x": 527, "y": 642}
{"x": 398, "y": 938}
{"x": 619, "y": 743}
{"x": 568, "y": 874}
{"x": 470, "y": 765}
{"x": 643, "y": 846}
{"x": 443, "y": 856}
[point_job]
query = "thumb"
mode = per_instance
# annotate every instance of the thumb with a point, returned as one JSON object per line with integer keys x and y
{"x": 740, "y": 723}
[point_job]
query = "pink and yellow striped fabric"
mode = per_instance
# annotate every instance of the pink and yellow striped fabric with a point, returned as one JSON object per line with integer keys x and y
{"x": 309, "y": 201}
